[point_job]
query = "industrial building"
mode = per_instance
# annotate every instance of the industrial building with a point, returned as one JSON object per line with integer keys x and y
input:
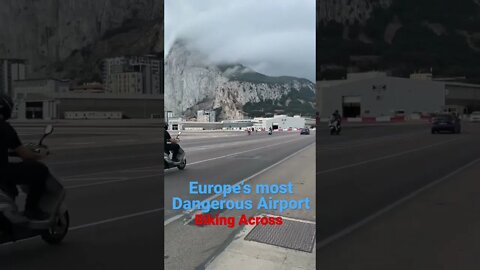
{"x": 52, "y": 99}
{"x": 279, "y": 122}
{"x": 375, "y": 94}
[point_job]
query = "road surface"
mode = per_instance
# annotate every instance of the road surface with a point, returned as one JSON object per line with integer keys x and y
{"x": 368, "y": 172}
{"x": 115, "y": 190}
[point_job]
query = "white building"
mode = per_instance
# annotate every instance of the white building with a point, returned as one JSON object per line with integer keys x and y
{"x": 206, "y": 116}
{"x": 142, "y": 74}
{"x": 52, "y": 99}
{"x": 379, "y": 95}
{"x": 33, "y": 98}
{"x": 279, "y": 122}
{"x": 11, "y": 70}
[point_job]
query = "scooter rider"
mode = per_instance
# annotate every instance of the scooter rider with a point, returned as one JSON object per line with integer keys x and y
{"x": 173, "y": 146}
{"x": 29, "y": 172}
{"x": 336, "y": 117}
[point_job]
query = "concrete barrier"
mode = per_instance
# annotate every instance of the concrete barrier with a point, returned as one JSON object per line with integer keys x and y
{"x": 383, "y": 119}
{"x": 354, "y": 119}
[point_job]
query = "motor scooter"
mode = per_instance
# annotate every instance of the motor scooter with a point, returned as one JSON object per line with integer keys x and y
{"x": 169, "y": 163}
{"x": 15, "y": 226}
{"x": 335, "y": 127}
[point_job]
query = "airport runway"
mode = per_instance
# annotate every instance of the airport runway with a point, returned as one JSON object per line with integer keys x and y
{"x": 113, "y": 179}
{"x": 115, "y": 191}
{"x": 368, "y": 170}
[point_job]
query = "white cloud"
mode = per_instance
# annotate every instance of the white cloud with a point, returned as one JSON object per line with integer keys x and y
{"x": 275, "y": 37}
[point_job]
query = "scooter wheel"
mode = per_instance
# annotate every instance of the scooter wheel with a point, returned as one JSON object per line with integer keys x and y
{"x": 182, "y": 165}
{"x": 58, "y": 231}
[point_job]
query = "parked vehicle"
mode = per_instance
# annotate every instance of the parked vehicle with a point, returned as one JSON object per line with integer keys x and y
{"x": 475, "y": 116}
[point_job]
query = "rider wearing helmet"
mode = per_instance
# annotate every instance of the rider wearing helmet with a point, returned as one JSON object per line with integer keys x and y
{"x": 172, "y": 146}
{"x": 336, "y": 116}
{"x": 29, "y": 172}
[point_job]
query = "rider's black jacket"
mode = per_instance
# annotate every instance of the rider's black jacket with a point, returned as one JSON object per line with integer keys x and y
{"x": 166, "y": 137}
{"x": 8, "y": 140}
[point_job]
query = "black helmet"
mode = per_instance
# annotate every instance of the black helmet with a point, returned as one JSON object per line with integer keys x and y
{"x": 6, "y": 106}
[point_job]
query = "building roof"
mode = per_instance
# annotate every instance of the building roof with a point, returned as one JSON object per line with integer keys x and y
{"x": 388, "y": 78}
{"x": 462, "y": 84}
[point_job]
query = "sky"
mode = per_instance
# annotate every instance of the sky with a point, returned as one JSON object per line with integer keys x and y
{"x": 273, "y": 37}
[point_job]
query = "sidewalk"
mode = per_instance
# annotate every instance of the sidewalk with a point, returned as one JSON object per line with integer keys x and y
{"x": 438, "y": 229}
{"x": 243, "y": 254}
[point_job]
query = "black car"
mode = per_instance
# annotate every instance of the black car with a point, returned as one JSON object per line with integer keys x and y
{"x": 305, "y": 131}
{"x": 446, "y": 122}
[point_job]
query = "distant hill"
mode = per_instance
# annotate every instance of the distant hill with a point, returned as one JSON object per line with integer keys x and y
{"x": 399, "y": 36}
{"x": 233, "y": 90}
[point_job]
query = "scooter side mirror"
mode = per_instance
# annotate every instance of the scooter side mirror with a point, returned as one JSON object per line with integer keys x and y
{"x": 48, "y": 130}
{"x": 179, "y": 133}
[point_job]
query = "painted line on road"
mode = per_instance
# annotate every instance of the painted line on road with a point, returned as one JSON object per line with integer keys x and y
{"x": 242, "y": 152}
{"x": 114, "y": 181}
{"x": 110, "y": 220}
{"x": 75, "y": 179}
{"x": 193, "y": 149}
{"x": 385, "y": 157}
{"x": 101, "y": 159}
{"x": 122, "y": 141}
{"x": 93, "y": 224}
{"x": 174, "y": 218}
{"x": 162, "y": 173}
{"x": 110, "y": 172}
{"x": 390, "y": 207}
{"x": 365, "y": 142}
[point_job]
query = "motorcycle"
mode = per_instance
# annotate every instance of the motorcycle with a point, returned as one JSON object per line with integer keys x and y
{"x": 169, "y": 163}
{"x": 335, "y": 127}
{"x": 15, "y": 226}
{"x": 270, "y": 132}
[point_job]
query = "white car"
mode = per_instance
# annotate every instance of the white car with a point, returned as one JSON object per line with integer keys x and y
{"x": 475, "y": 117}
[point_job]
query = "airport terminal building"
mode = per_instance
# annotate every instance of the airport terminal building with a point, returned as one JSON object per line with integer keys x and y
{"x": 53, "y": 99}
{"x": 279, "y": 122}
{"x": 375, "y": 94}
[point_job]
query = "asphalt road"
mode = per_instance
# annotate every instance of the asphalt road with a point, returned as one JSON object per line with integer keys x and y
{"x": 115, "y": 191}
{"x": 368, "y": 169}
{"x": 115, "y": 188}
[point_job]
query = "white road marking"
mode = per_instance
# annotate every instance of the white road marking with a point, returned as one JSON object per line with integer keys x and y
{"x": 365, "y": 142}
{"x": 122, "y": 141}
{"x": 114, "y": 181}
{"x": 110, "y": 220}
{"x": 80, "y": 143}
{"x": 111, "y": 172}
{"x": 242, "y": 152}
{"x": 172, "y": 219}
{"x": 76, "y": 179}
{"x": 388, "y": 208}
{"x": 102, "y": 159}
{"x": 93, "y": 224}
{"x": 384, "y": 157}
{"x": 162, "y": 173}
